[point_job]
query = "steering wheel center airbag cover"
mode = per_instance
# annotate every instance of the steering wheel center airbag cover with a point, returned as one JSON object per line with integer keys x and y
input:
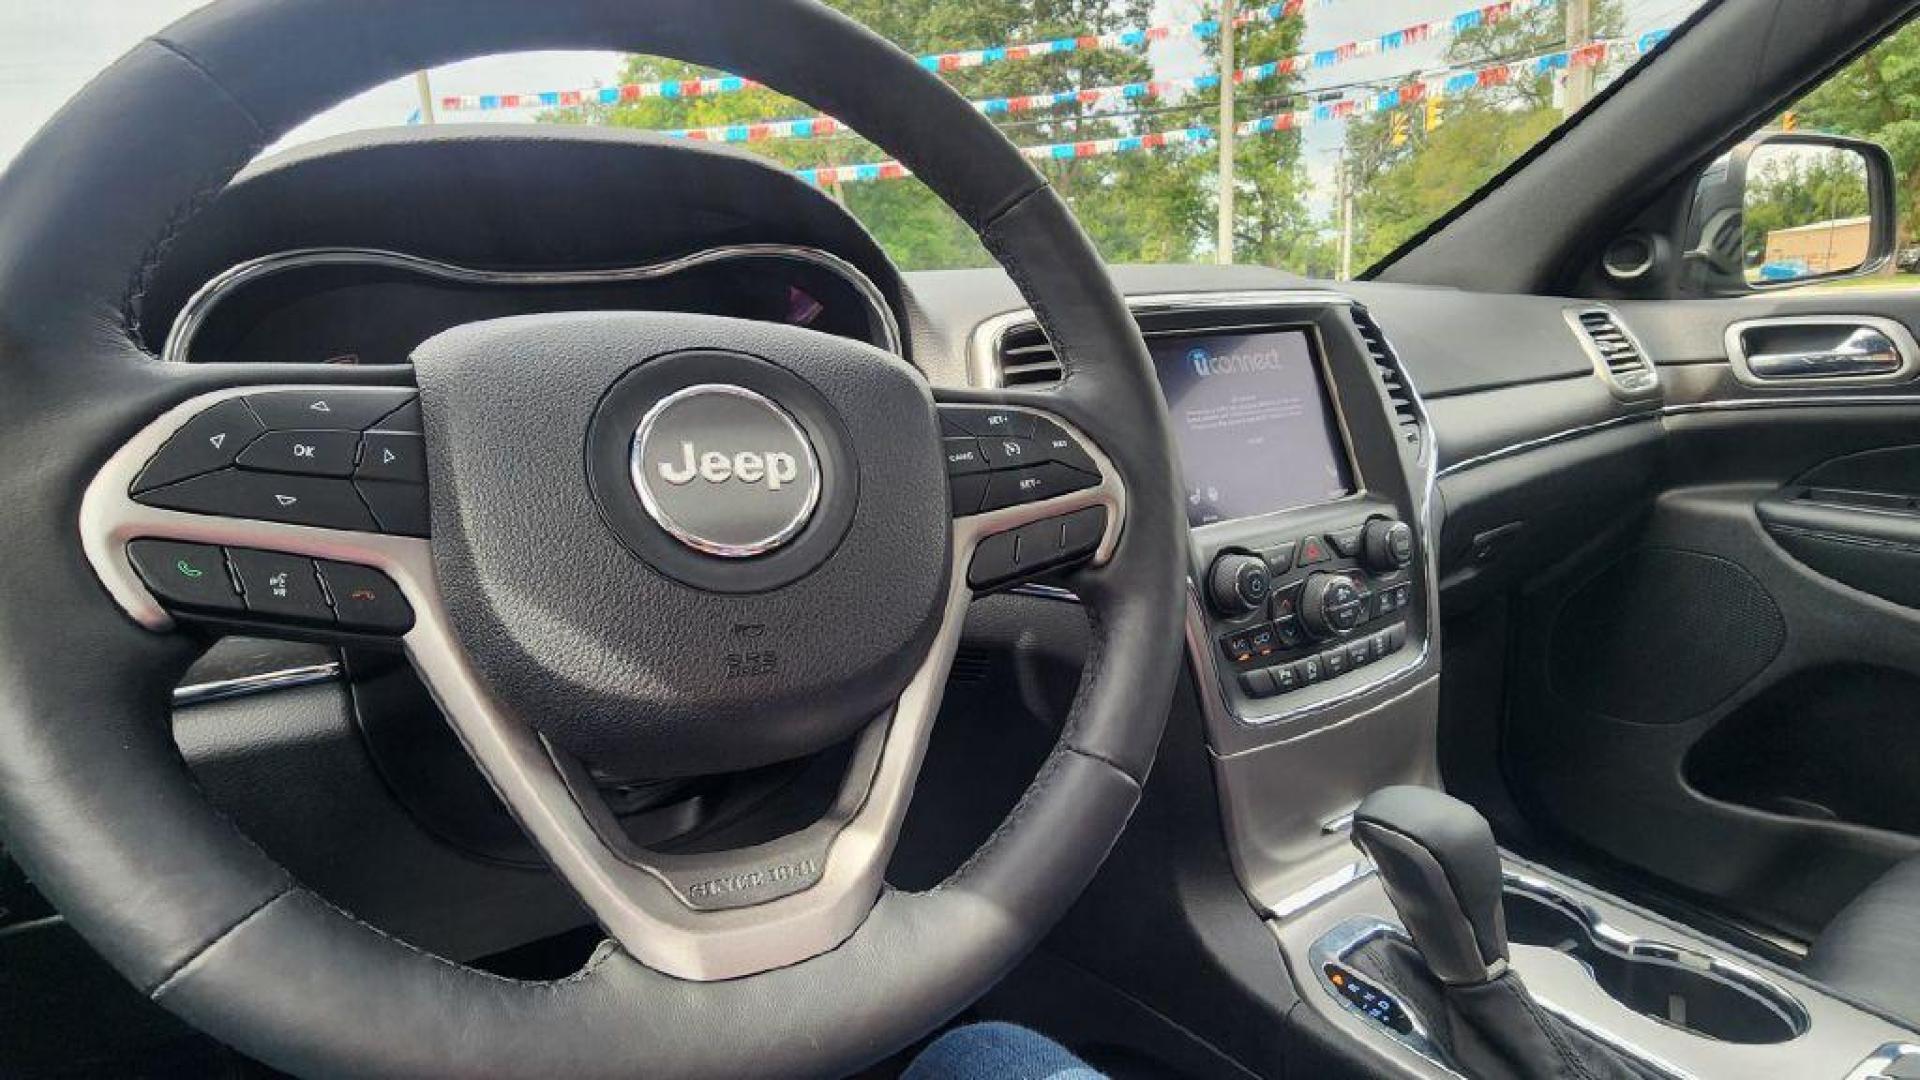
{"x": 610, "y": 625}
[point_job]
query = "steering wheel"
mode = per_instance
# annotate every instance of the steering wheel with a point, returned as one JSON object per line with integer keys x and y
{"x": 678, "y": 543}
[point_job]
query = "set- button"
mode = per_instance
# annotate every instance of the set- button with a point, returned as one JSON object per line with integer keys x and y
{"x": 998, "y": 458}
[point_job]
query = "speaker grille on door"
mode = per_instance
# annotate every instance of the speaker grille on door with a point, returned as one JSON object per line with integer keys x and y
{"x": 1662, "y": 636}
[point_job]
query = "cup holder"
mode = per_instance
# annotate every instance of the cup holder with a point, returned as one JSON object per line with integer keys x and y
{"x": 1676, "y": 986}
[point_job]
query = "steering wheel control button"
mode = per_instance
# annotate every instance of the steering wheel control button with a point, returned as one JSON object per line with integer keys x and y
{"x": 209, "y": 441}
{"x": 965, "y": 493}
{"x": 406, "y": 418}
{"x": 986, "y": 421}
{"x": 725, "y": 470}
{"x": 280, "y": 586}
{"x": 1008, "y": 452}
{"x": 1081, "y": 531}
{"x": 310, "y": 453}
{"x": 338, "y": 407}
{"x": 400, "y": 509}
{"x": 294, "y": 500}
{"x": 365, "y": 599}
{"x": 1044, "y": 544}
{"x": 1030, "y": 485}
{"x": 392, "y": 455}
{"x": 963, "y": 456}
{"x": 185, "y": 575}
{"x": 1061, "y": 447}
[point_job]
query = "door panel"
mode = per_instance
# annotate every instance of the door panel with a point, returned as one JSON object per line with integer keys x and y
{"x": 1731, "y": 701}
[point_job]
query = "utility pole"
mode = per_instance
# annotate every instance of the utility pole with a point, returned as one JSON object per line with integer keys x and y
{"x": 425, "y": 89}
{"x": 1343, "y": 207}
{"x": 1579, "y": 35}
{"x": 1223, "y": 249}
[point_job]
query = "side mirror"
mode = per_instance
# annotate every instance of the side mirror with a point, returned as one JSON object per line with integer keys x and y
{"x": 1786, "y": 208}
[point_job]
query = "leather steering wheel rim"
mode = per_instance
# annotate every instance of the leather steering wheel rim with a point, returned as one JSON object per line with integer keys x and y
{"x": 98, "y": 806}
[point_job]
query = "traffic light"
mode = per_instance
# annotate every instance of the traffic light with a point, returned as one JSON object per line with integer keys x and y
{"x": 1433, "y": 112}
{"x": 1400, "y": 128}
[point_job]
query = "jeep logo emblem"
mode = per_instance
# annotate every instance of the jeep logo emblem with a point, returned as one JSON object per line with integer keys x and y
{"x": 724, "y": 470}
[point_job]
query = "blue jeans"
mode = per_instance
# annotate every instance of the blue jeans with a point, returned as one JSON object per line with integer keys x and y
{"x": 995, "y": 1051}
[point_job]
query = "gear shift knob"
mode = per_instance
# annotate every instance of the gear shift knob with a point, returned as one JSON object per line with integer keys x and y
{"x": 1437, "y": 859}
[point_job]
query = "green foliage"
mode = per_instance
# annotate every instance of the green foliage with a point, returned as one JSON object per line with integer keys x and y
{"x": 1793, "y": 186}
{"x": 1149, "y": 206}
{"x": 1400, "y": 189}
{"x": 1877, "y": 97}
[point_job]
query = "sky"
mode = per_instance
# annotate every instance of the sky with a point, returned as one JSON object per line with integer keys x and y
{"x": 50, "y": 48}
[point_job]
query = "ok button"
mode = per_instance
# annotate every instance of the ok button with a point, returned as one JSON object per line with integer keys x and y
{"x": 309, "y": 453}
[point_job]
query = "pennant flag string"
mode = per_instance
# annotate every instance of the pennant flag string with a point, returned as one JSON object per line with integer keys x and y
{"x": 1444, "y": 83}
{"x": 1316, "y": 60}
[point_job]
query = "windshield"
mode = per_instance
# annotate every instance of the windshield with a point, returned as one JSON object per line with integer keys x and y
{"x": 1349, "y": 125}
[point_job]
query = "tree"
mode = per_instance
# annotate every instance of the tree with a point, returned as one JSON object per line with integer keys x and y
{"x": 1400, "y": 188}
{"x": 1791, "y": 186}
{"x": 1271, "y": 222}
{"x": 1877, "y": 97}
{"x": 1139, "y": 206}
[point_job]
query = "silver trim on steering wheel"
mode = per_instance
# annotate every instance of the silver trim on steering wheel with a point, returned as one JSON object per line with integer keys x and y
{"x": 634, "y": 903}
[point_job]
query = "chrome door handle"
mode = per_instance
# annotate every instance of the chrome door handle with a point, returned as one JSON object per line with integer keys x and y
{"x": 1866, "y": 351}
{"x": 1821, "y": 349}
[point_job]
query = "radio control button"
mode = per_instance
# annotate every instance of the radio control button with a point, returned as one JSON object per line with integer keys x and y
{"x": 1347, "y": 541}
{"x": 1310, "y": 671}
{"x": 1334, "y": 662}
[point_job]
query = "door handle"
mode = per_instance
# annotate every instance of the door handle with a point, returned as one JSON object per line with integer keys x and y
{"x": 1866, "y": 351}
{"x": 1821, "y": 349}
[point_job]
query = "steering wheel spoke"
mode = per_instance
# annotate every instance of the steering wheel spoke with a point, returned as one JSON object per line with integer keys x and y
{"x": 295, "y": 509}
{"x": 1031, "y": 493}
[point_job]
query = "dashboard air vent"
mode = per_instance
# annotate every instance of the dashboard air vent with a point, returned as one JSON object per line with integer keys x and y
{"x": 1026, "y": 358}
{"x": 1618, "y": 357}
{"x": 1399, "y": 394}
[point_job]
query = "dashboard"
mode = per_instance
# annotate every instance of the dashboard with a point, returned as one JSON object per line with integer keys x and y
{"x": 366, "y": 306}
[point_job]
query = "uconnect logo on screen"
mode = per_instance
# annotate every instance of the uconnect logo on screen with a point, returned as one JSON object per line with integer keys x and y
{"x": 1205, "y": 363}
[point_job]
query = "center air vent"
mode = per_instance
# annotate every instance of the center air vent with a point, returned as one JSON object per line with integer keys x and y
{"x": 1616, "y": 355}
{"x": 1399, "y": 394}
{"x": 1026, "y": 358}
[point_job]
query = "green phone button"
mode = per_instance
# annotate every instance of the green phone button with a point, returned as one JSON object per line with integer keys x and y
{"x": 185, "y": 575}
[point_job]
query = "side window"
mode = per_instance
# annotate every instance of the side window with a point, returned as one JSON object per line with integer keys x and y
{"x": 1824, "y": 196}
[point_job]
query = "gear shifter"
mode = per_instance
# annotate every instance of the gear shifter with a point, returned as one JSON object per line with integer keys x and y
{"x": 1437, "y": 859}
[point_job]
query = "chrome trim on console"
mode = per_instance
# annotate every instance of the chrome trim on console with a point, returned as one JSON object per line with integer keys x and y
{"x": 1544, "y": 441}
{"x": 201, "y": 304}
{"x": 264, "y": 682}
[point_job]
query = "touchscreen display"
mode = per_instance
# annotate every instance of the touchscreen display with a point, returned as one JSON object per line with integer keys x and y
{"x": 1255, "y": 430}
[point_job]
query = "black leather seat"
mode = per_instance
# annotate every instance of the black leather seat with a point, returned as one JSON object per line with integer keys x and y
{"x": 1871, "y": 950}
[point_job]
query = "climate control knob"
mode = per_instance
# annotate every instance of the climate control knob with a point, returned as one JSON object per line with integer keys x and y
{"x": 1329, "y": 605}
{"x": 1238, "y": 584}
{"x": 1386, "y": 545}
